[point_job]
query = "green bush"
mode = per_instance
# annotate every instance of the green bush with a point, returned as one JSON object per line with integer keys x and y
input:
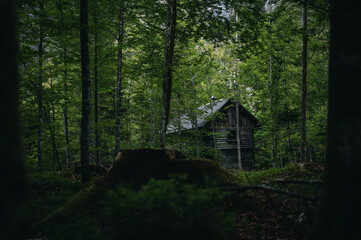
{"x": 48, "y": 191}
{"x": 258, "y": 177}
{"x": 166, "y": 209}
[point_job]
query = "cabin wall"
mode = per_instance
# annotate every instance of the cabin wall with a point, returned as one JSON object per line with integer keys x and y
{"x": 226, "y": 143}
{"x": 226, "y": 140}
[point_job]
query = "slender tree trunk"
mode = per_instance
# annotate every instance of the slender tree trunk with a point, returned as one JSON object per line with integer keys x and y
{"x": 238, "y": 132}
{"x": 273, "y": 99}
{"x": 339, "y": 209}
{"x": 212, "y": 98}
{"x": 168, "y": 65}
{"x": 214, "y": 130}
{"x": 85, "y": 70}
{"x": 142, "y": 130}
{"x": 304, "y": 83}
{"x": 273, "y": 125}
{"x": 271, "y": 87}
{"x": 65, "y": 112}
{"x": 96, "y": 108}
{"x": 152, "y": 130}
{"x": 289, "y": 148}
{"x": 65, "y": 108}
{"x": 118, "y": 96}
{"x": 310, "y": 152}
{"x": 56, "y": 158}
{"x": 281, "y": 159}
{"x": 40, "y": 91}
{"x": 290, "y": 151}
{"x": 50, "y": 120}
{"x": 195, "y": 117}
{"x": 274, "y": 148}
{"x": 179, "y": 121}
{"x": 12, "y": 178}
{"x": 129, "y": 119}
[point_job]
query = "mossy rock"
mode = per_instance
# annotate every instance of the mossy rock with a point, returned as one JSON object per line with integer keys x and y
{"x": 204, "y": 172}
{"x": 135, "y": 168}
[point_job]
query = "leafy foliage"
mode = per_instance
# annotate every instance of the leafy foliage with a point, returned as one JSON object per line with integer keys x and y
{"x": 258, "y": 177}
{"x": 167, "y": 209}
{"x": 204, "y": 66}
{"x": 161, "y": 209}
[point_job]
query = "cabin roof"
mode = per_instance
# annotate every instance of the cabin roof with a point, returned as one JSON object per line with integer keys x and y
{"x": 204, "y": 114}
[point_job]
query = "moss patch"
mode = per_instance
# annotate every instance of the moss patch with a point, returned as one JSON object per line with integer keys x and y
{"x": 204, "y": 172}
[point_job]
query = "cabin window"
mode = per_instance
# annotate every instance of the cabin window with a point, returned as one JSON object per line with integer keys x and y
{"x": 232, "y": 134}
{"x": 232, "y": 137}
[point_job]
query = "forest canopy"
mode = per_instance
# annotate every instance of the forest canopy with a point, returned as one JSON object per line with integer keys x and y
{"x": 145, "y": 53}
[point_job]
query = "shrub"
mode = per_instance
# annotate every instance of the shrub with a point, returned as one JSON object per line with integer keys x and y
{"x": 166, "y": 209}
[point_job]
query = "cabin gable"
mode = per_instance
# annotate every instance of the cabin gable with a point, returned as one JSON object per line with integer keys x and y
{"x": 222, "y": 116}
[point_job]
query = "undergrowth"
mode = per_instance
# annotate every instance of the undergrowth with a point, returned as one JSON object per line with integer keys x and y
{"x": 167, "y": 209}
{"x": 48, "y": 191}
{"x": 259, "y": 177}
{"x": 161, "y": 209}
{"x": 176, "y": 209}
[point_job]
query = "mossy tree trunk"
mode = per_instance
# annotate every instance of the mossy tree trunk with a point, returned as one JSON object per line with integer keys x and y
{"x": 339, "y": 211}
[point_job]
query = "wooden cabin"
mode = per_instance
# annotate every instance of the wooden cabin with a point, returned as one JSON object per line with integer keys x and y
{"x": 220, "y": 117}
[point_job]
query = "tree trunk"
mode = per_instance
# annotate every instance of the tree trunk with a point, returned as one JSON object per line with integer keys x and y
{"x": 65, "y": 113}
{"x": 304, "y": 83}
{"x": 12, "y": 177}
{"x": 56, "y": 158}
{"x": 96, "y": 108}
{"x": 85, "y": 72}
{"x": 274, "y": 149}
{"x": 339, "y": 209}
{"x": 290, "y": 148}
{"x": 65, "y": 108}
{"x": 128, "y": 136}
{"x": 152, "y": 130}
{"x": 168, "y": 65}
{"x": 214, "y": 130}
{"x": 273, "y": 123}
{"x": 212, "y": 98}
{"x": 195, "y": 117}
{"x": 40, "y": 91}
{"x": 51, "y": 124}
{"x": 118, "y": 95}
{"x": 238, "y": 132}
{"x": 288, "y": 133}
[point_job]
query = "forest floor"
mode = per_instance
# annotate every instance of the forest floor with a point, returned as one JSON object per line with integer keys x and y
{"x": 269, "y": 215}
{"x": 260, "y": 213}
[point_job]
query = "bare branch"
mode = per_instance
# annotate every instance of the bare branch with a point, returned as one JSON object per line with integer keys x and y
{"x": 269, "y": 189}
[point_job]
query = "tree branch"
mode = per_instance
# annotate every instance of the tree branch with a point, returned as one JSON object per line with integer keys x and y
{"x": 269, "y": 189}
{"x": 296, "y": 181}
